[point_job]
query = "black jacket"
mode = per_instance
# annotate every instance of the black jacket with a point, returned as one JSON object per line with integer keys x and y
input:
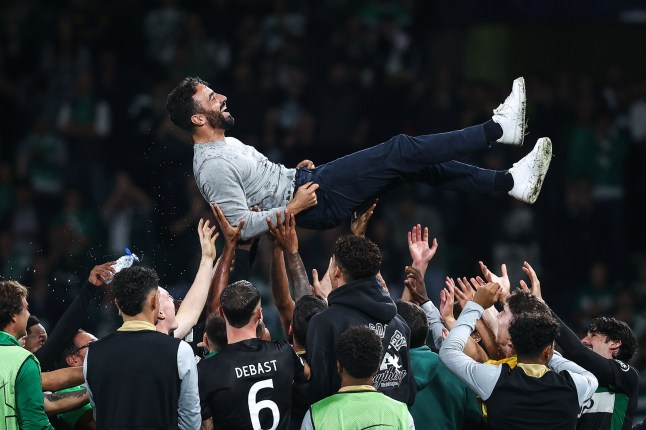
{"x": 360, "y": 302}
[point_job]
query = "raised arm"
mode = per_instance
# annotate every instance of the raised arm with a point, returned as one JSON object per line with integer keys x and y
{"x": 286, "y": 238}
{"x": 62, "y": 378}
{"x": 280, "y": 288}
{"x": 414, "y": 285}
{"x": 585, "y": 382}
{"x": 419, "y": 249}
{"x": 221, "y": 277}
{"x": 193, "y": 304}
{"x": 481, "y": 378}
{"x": 359, "y": 223}
{"x": 74, "y": 316}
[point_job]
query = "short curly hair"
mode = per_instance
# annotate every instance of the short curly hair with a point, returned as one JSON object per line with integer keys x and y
{"x": 306, "y": 307}
{"x": 239, "y": 300}
{"x": 180, "y": 105}
{"x": 359, "y": 351}
{"x": 521, "y": 302}
{"x": 132, "y": 287}
{"x": 531, "y": 332}
{"x": 415, "y": 319}
{"x": 616, "y": 330}
{"x": 11, "y": 295}
{"x": 357, "y": 256}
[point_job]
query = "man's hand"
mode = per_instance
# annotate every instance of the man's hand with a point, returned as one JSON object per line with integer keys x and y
{"x": 536, "y": 284}
{"x": 101, "y": 272}
{"x": 415, "y": 284}
{"x": 321, "y": 288}
{"x": 503, "y": 280}
{"x": 304, "y": 198}
{"x": 487, "y": 294}
{"x": 359, "y": 224}
{"x": 285, "y": 233}
{"x": 418, "y": 247}
{"x": 447, "y": 302}
{"x": 308, "y": 164}
{"x": 231, "y": 234}
{"x": 207, "y": 239}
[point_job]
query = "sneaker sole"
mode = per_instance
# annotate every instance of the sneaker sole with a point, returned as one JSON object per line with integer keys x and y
{"x": 544, "y": 148}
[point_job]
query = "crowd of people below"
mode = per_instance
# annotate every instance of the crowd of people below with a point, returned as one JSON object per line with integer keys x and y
{"x": 489, "y": 355}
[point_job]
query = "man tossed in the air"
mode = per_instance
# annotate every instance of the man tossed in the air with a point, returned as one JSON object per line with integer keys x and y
{"x": 237, "y": 177}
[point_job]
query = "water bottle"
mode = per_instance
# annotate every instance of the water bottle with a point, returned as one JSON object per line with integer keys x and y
{"x": 123, "y": 262}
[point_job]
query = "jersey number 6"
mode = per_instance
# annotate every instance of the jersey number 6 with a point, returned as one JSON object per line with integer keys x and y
{"x": 256, "y": 407}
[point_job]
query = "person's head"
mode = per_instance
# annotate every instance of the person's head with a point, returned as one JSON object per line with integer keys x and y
{"x": 73, "y": 353}
{"x": 166, "y": 321}
{"x": 611, "y": 338}
{"x": 533, "y": 335}
{"x": 240, "y": 303}
{"x": 306, "y": 307}
{"x": 517, "y": 303}
{"x": 136, "y": 292}
{"x": 36, "y": 334}
{"x": 354, "y": 257}
{"x": 14, "y": 311}
{"x": 215, "y": 333}
{"x": 358, "y": 353}
{"x": 416, "y": 320}
{"x": 192, "y": 104}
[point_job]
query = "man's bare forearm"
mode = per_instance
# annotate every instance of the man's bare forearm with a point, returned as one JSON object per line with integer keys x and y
{"x": 57, "y": 403}
{"x": 221, "y": 277}
{"x": 62, "y": 378}
{"x": 280, "y": 289}
{"x": 298, "y": 275}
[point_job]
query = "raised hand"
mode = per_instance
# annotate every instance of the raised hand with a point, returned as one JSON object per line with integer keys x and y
{"x": 487, "y": 294}
{"x": 415, "y": 283}
{"x": 304, "y": 198}
{"x": 536, "y": 284}
{"x": 207, "y": 237}
{"x": 284, "y": 233}
{"x": 502, "y": 280}
{"x": 308, "y": 164}
{"x": 447, "y": 301}
{"x": 359, "y": 224}
{"x": 322, "y": 287}
{"x": 419, "y": 249}
{"x": 231, "y": 234}
{"x": 101, "y": 272}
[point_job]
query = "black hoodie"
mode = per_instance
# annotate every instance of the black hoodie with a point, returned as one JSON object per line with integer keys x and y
{"x": 360, "y": 302}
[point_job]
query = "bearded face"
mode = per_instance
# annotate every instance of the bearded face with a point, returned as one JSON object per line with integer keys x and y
{"x": 219, "y": 120}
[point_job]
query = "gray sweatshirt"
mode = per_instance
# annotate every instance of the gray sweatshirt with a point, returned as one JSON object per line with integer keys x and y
{"x": 237, "y": 177}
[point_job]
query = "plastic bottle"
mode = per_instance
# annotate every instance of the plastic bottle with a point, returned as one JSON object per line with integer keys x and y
{"x": 123, "y": 262}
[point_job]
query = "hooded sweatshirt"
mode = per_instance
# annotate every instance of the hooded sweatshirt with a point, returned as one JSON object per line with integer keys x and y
{"x": 360, "y": 303}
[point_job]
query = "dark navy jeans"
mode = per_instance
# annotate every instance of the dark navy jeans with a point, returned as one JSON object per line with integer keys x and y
{"x": 346, "y": 184}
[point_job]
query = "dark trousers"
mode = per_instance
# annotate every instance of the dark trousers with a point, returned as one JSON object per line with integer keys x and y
{"x": 346, "y": 184}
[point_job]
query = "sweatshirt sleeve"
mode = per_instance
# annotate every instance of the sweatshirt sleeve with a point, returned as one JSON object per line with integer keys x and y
{"x": 574, "y": 350}
{"x": 220, "y": 183}
{"x": 481, "y": 378}
{"x": 29, "y": 398}
{"x": 188, "y": 407}
{"x": 585, "y": 382}
{"x": 434, "y": 322}
{"x": 66, "y": 327}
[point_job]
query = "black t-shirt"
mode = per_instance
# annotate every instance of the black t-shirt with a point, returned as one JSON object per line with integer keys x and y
{"x": 248, "y": 385}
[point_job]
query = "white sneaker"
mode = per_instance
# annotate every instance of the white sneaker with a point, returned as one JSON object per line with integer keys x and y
{"x": 511, "y": 115}
{"x": 529, "y": 172}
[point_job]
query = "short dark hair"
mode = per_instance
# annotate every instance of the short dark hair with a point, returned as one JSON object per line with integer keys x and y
{"x": 306, "y": 307}
{"x": 238, "y": 302}
{"x": 180, "y": 104}
{"x": 11, "y": 295}
{"x": 69, "y": 348}
{"x": 416, "y": 320}
{"x": 32, "y": 321}
{"x": 132, "y": 287}
{"x": 616, "y": 330}
{"x": 359, "y": 351}
{"x": 521, "y": 301}
{"x": 531, "y": 332}
{"x": 357, "y": 256}
{"x": 216, "y": 331}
